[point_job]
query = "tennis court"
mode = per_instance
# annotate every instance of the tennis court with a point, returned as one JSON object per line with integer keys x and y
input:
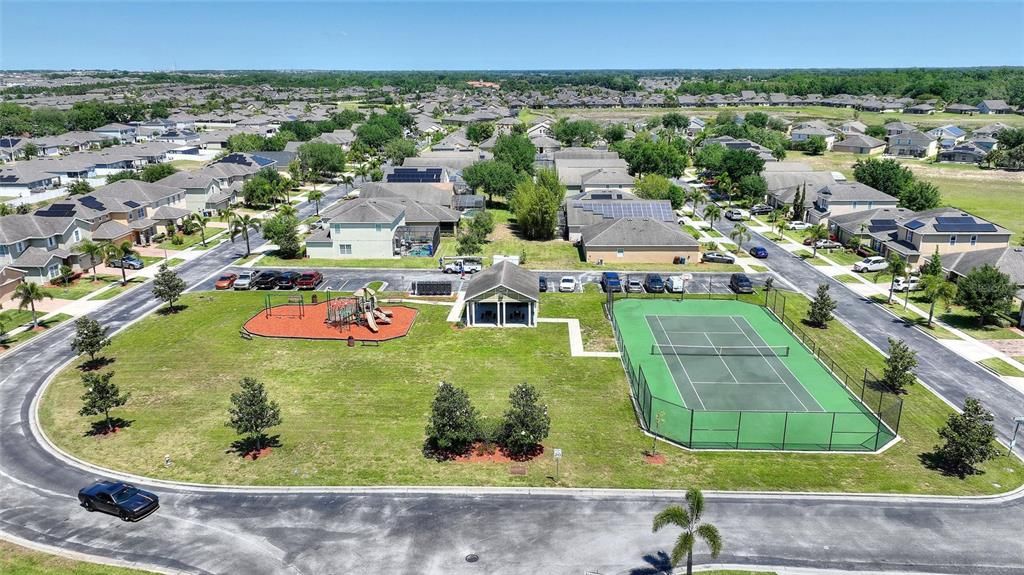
{"x": 728, "y": 374}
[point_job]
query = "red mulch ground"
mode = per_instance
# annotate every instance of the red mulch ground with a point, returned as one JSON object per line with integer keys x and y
{"x": 656, "y": 459}
{"x": 254, "y": 455}
{"x": 284, "y": 322}
{"x": 479, "y": 454}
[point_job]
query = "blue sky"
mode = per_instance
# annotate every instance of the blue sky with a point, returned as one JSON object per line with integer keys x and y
{"x": 487, "y": 34}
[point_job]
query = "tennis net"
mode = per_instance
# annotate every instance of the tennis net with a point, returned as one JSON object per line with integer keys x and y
{"x": 752, "y": 350}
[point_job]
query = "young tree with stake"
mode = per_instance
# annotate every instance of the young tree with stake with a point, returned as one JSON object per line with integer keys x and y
{"x": 101, "y": 395}
{"x": 90, "y": 337}
{"x": 252, "y": 412}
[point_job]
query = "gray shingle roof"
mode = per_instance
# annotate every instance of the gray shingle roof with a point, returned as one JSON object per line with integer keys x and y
{"x": 22, "y": 227}
{"x": 635, "y": 232}
{"x": 364, "y": 211}
{"x": 504, "y": 274}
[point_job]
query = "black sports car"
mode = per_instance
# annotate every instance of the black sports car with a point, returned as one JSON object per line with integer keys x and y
{"x": 116, "y": 498}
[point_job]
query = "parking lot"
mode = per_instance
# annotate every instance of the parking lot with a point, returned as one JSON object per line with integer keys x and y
{"x": 351, "y": 279}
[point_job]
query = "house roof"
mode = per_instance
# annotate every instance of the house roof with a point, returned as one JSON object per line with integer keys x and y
{"x": 170, "y": 213}
{"x": 504, "y": 274}
{"x": 635, "y": 232}
{"x": 439, "y": 194}
{"x": 111, "y": 230}
{"x": 35, "y": 257}
{"x": 950, "y": 220}
{"x": 1009, "y": 260}
{"x": 137, "y": 191}
{"x": 364, "y": 211}
{"x": 854, "y": 192}
{"x": 21, "y": 227}
{"x": 187, "y": 180}
{"x": 860, "y": 141}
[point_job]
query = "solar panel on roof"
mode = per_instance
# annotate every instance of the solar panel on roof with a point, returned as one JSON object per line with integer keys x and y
{"x": 914, "y": 224}
{"x": 883, "y": 223}
{"x": 132, "y": 204}
{"x": 92, "y": 203}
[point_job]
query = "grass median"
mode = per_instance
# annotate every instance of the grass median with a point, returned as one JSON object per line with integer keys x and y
{"x": 355, "y": 416}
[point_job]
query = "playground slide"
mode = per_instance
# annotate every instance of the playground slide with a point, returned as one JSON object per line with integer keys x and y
{"x": 382, "y": 316}
{"x": 370, "y": 323}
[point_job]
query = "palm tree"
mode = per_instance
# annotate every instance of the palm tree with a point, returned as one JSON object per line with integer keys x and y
{"x": 287, "y": 210}
{"x": 936, "y": 288}
{"x": 817, "y": 232}
{"x": 201, "y": 221}
{"x": 28, "y": 294}
{"x": 315, "y": 197}
{"x": 688, "y": 519}
{"x": 112, "y": 251}
{"x": 241, "y": 225}
{"x": 95, "y": 253}
{"x": 712, "y": 213}
{"x": 777, "y": 214}
{"x": 740, "y": 234}
{"x": 347, "y": 180}
{"x": 894, "y": 266}
{"x": 363, "y": 171}
{"x": 227, "y": 215}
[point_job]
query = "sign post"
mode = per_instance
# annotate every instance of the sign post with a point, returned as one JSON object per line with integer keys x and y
{"x": 558, "y": 458}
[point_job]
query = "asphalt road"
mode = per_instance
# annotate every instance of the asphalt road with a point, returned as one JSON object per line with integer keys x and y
{"x": 320, "y": 531}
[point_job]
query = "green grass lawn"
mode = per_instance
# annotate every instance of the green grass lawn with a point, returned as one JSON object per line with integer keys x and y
{"x": 997, "y": 201}
{"x": 1001, "y": 367}
{"x": 909, "y": 316}
{"x": 808, "y": 257}
{"x": 117, "y": 289}
{"x": 846, "y": 279}
{"x": 188, "y": 165}
{"x": 190, "y": 239}
{"x": 587, "y": 307}
{"x": 841, "y": 257}
{"x": 966, "y": 321}
{"x": 22, "y": 337}
{"x": 757, "y": 268}
{"x": 12, "y": 318}
{"x": 356, "y": 416}
{"x": 18, "y": 560}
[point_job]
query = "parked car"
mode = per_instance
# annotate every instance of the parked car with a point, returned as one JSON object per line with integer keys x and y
{"x": 740, "y": 283}
{"x": 287, "y": 280}
{"x": 654, "y": 284}
{"x": 462, "y": 266}
{"x": 116, "y": 498}
{"x": 267, "y": 280}
{"x": 718, "y": 258}
{"x": 309, "y": 280}
{"x": 912, "y": 283}
{"x": 797, "y": 225}
{"x": 225, "y": 281}
{"x": 827, "y": 245}
{"x": 610, "y": 282}
{"x": 736, "y": 214}
{"x": 634, "y": 285}
{"x": 759, "y": 252}
{"x": 246, "y": 279}
{"x": 567, "y": 284}
{"x": 675, "y": 284}
{"x": 128, "y": 262}
{"x": 543, "y": 283}
{"x": 870, "y": 264}
{"x": 760, "y": 209}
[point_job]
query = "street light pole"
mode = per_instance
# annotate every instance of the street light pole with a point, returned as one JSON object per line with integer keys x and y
{"x": 1017, "y": 421}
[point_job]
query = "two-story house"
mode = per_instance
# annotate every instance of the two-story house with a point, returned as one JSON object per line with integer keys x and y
{"x": 38, "y": 246}
{"x": 120, "y": 132}
{"x": 948, "y": 135}
{"x": 202, "y": 191}
{"x": 360, "y": 228}
{"x": 950, "y": 230}
{"x": 913, "y": 143}
{"x": 844, "y": 198}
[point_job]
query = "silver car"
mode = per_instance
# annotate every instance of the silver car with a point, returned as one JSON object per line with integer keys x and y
{"x": 246, "y": 279}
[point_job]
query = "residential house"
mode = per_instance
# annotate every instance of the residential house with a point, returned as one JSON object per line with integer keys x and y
{"x": 844, "y": 198}
{"x": 995, "y": 107}
{"x": 950, "y": 230}
{"x": 961, "y": 109}
{"x": 920, "y": 109}
{"x": 966, "y": 153}
{"x": 859, "y": 144}
{"x": 572, "y": 171}
{"x": 39, "y": 246}
{"x": 853, "y": 127}
{"x": 804, "y": 134}
{"x": 10, "y": 279}
{"x": 121, "y": 132}
{"x": 202, "y": 191}
{"x": 913, "y": 143}
{"x": 362, "y": 228}
{"x": 897, "y": 128}
{"x": 637, "y": 240}
{"x": 25, "y": 178}
{"x": 867, "y": 226}
{"x": 948, "y": 135}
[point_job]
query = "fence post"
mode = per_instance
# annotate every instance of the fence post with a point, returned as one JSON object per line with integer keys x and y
{"x": 783, "y": 309}
{"x": 833, "y": 432}
{"x": 692, "y": 415}
{"x": 863, "y": 385}
{"x": 739, "y": 425}
{"x": 785, "y": 427}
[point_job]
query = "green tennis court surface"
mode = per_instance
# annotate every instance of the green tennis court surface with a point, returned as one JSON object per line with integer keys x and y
{"x": 728, "y": 374}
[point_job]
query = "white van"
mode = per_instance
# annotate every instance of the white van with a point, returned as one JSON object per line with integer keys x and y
{"x": 675, "y": 284}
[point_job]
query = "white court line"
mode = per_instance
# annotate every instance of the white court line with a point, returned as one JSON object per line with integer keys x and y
{"x": 731, "y": 374}
{"x": 738, "y": 383}
{"x": 777, "y": 374}
{"x": 699, "y": 400}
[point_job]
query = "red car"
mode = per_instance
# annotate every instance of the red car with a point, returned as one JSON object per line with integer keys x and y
{"x": 225, "y": 281}
{"x": 309, "y": 280}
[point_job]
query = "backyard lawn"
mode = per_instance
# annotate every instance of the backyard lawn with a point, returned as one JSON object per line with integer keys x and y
{"x": 355, "y": 416}
{"x": 190, "y": 240}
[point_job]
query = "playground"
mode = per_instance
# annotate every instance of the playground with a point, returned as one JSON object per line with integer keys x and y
{"x": 358, "y": 317}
